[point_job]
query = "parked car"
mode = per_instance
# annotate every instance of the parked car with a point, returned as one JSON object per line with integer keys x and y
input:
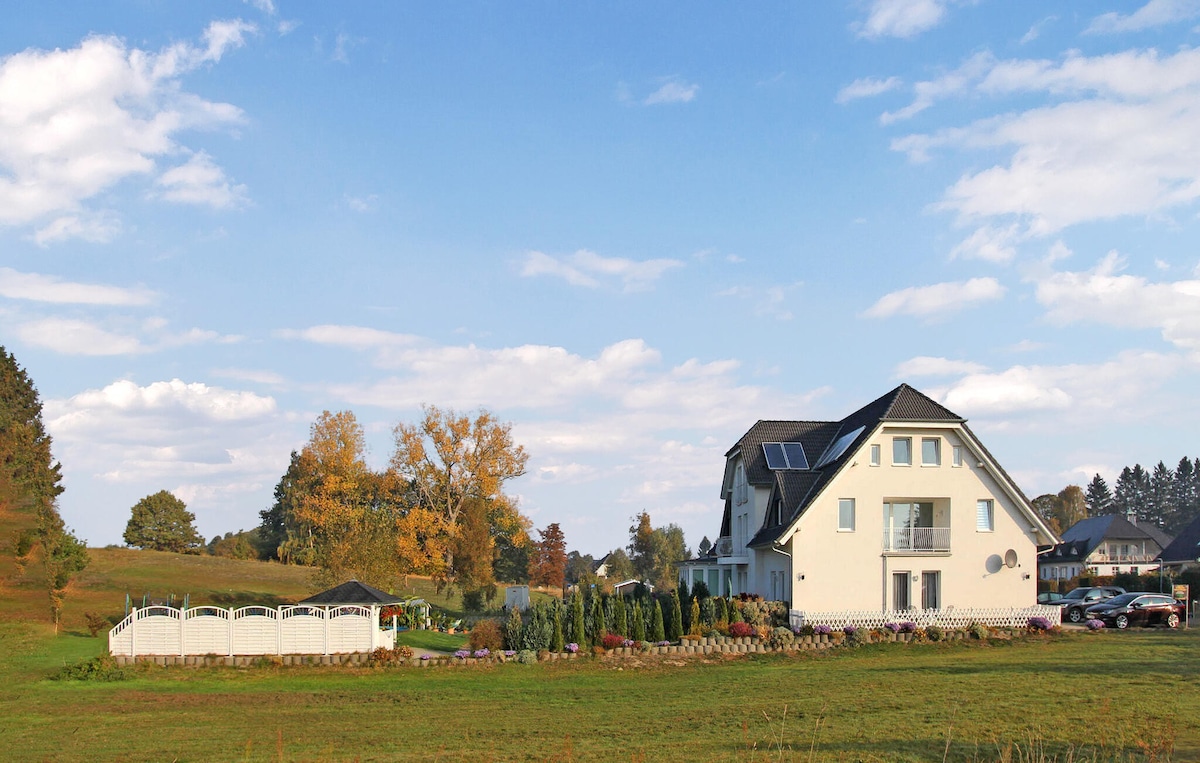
{"x": 1049, "y": 597}
{"x": 1075, "y": 603}
{"x": 1145, "y": 609}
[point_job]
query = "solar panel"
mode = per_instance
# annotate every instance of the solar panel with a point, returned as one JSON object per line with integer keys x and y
{"x": 839, "y": 447}
{"x": 775, "y": 457}
{"x": 794, "y": 452}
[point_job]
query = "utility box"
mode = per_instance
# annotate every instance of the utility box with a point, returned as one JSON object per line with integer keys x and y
{"x": 516, "y": 596}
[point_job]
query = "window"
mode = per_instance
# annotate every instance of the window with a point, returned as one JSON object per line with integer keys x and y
{"x": 985, "y": 516}
{"x": 902, "y": 451}
{"x": 875, "y": 455}
{"x": 956, "y": 455}
{"x": 846, "y": 515}
{"x": 931, "y": 589}
{"x": 740, "y": 488}
{"x": 900, "y": 591}
{"x": 931, "y": 451}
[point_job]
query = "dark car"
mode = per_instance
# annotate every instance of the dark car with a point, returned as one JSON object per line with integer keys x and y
{"x": 1074, "y": 604}
{"x": 1145, "y": 609}
{"x": 1049, "y": 597}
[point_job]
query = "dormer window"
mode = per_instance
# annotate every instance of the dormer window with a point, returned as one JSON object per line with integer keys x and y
{"x": 784, "y": 456}
{"x": 741, "y": 490}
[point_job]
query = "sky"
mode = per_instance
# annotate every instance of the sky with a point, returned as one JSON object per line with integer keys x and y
{"x": 631, "y": 229}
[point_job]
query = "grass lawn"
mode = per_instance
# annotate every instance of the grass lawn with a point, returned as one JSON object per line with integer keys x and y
{"x": 1081, "y": 696}
{"x": 432, "y": 640}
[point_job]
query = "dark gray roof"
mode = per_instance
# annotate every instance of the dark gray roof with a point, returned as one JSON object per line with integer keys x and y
{"x": 797, "y": 489}
{"x": 352, "y": 592}
{"x": 1186, "y": 546}
{"x": 1082, "y": 538}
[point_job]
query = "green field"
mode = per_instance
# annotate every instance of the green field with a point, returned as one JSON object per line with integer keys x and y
{"x": 1076, "y": 697}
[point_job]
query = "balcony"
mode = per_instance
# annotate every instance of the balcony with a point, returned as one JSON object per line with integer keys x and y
{"x": 724, "y": 546}
{"x": 917, "y": 540}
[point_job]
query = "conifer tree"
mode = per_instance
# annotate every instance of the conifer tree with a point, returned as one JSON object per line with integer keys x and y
{"x": 599, "y": 627}
{"x": 657, "y": 632}
{"x": 557, "y": 643}
{"x": 1099, "y": 498}
{"x": 675, "y": 627}
{"x": 513, "y": 629}
{"x": 696, "y": 621}
{"x": 735, "y": 613}
{"x": 620, "y": 619}
{"x": 720, "y": 614}
{"x": 578, "y": 631}
{"x": 638, "y": 627}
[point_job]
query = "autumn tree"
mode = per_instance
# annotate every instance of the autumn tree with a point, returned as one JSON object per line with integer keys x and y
{"x": 449, "y": 459}
{"x": 473, "y": 548}
{"x": 161, "y": 522}
{"x": 656, "y": 552}
{"x": 548, "y": 562}
{"x": 30, "y": 483}
{"x": 1046, "y": 507}
{"x": 1071, "y": 506}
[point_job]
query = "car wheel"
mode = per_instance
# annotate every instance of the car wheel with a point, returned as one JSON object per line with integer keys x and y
{"x": 1122, "y": 622}
{"x": 1075, "y": 615}
{"x": 1172, "y": 620}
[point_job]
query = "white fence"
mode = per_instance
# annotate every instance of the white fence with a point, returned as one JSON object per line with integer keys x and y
{"x": 950, "y": 618}
{"x": 249, "y": 631}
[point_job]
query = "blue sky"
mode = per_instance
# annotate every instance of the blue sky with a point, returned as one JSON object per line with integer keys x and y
{"x": 631, "y": 229}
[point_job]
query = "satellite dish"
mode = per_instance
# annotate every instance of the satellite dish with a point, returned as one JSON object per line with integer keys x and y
{"x": 1010, "y": 558}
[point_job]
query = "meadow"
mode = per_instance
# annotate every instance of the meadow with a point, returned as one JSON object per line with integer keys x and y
{"x": 1073, "y": 697}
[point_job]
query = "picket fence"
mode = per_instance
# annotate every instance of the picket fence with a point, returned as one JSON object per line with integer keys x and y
{"x": 253, "y": 630}
{"x": 950, "y": 618}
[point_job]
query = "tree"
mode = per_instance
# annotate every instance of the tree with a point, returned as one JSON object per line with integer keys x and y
{"x": 1071, "y": 506}
{"x": 1186, "y": 489}
{"x": 657, "y": 631}
{"x": 1098, "y": 497}
{"x": 1046, "y": 506}
{"x": 637, "y": 628}
{"x": 474, "y": 547}
{"x": 619, "y": 566}
{"x": 675, "y": 627}
{"x": 161, "y": 522}
{"x": 579, "y": 568}
{"x": 642, "y": 550}
{"x": 278, "y": 522}
{"x": 578, "y": 627}
{"x": 548, "y": 562}
{"x": 1161, "y": 504}
{"x": 30, "y": 483}
{"x": 656, "y": 552}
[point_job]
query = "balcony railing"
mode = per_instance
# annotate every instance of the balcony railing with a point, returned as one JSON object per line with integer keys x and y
{"x": 917, "y": 539}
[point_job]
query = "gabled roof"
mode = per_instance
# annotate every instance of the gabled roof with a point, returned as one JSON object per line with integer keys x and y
{"x": 1186, "y": 546}
{"x": 1085, "y": 535}
{"x": 352, "y": 592}
{"x": 797, "y": 489}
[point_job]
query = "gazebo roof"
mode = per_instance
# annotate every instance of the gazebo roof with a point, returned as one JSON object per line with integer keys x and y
{"x": 352, "y": 592}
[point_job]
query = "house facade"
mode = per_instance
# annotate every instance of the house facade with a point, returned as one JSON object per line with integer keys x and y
{"x": 898, "y": 506}
{"x": 1106, "y": 545}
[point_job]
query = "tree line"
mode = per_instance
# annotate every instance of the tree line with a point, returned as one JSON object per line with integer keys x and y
{"x": 652, "y": 556}
{"x": 38, "y": 544}
{"x": 1166, "y": 498}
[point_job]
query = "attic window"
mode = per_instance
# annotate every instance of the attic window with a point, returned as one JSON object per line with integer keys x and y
{"x": 785, "y": 455}
{"x": 839, "y": 447}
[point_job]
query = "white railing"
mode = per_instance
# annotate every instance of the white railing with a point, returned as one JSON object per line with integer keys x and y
{"x": 917, "y": 539}
{"x": 252, "y": 630}
{"x": 950, "y": 618}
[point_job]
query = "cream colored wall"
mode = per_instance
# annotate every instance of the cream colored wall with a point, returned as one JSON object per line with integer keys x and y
{"x": 848, "y": 570}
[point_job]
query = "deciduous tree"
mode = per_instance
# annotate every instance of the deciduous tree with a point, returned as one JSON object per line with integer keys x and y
{"x": 161, "y": 522}
{"x": 548, "y": 562}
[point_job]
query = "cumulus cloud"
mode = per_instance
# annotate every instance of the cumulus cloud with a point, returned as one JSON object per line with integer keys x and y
{"x": 200, "y": 181}
{"x": 1119, "y": 136}
{"x": 867, "y": 87}
{"x": 929, "y": 92}
{"x": 75, "y": 122}
{"x": 42, "y": 288}
{"x": 585, "y": 268}
{"x": 936, "y": 299}
{"x": 901, "y": 18}
{"x": 989, "y": 243}
{"x": 673, "y": 91}
{"x": 75, "y": 336}
{"x": 929, "y": 366}
{"x": 1153, "y": 14}
{"x": 1106, "y": 296}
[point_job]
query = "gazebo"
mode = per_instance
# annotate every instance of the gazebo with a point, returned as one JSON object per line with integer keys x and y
{"x": 357, "y": 593}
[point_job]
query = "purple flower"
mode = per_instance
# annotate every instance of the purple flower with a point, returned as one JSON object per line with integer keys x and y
{"x": 572, "y": 647}
{"x": 893, "y": 627}
{"x": 509, "y": 652}
{"x": 463, "y": 654}
{"x": 1039, "y": 624}
{"x": 627, "y": 642}
{"x": 822, "y": 630}
{"x": 481, "y": 652}
{"x": 849, "y": 630}
{"x": 908, "y": 627}
{"x": 424, "y": 657}
{"x": 1095, "y": 625}
{"x": 663, "y": 643}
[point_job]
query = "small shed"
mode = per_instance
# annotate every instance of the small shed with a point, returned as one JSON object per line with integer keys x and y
{"x": 516, "y": 596}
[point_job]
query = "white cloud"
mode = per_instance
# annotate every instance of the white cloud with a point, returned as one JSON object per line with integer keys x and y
{"x": 74, "y": 123}
{"x": 936, "y": 299}
{"x": 928, "y": 366}
{"x": 901, "y": 18}
{"x": 1105, "y": 296}
{"x": 673, "y": 91}
{"x": 43, "y": 288}
{"x": 249, "y": 374}
{"x": 354, "y": 337}
{"x": 95, "y": 228}
{"x": 1120, "y": 137}
{"x": 200, "y": 181}
{"x": 1152, "y": 14}
{"x": 928, "y": 92}
{"x": 585, "y": 268}
{"x": 988, "y": 243}
{"x": 867, "y": 87}
{"x": 1035, "y": 31}
{"x": 368, "y": 203}
{"x": 772, "y": 302}
{"x": 76, "y": 337}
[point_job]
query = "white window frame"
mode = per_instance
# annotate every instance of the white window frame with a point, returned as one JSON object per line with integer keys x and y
{"x": 876, "y": 454}
{"x": 740, "y": 486}
{"x": 956, "y": 458}
{"x": 844, "y": 503}
{"x": 985, "y": 514}
{"x": 908, "y": 441}
{"x": 937, "y": 451}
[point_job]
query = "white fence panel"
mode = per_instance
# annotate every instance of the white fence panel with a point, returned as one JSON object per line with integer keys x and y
{"x": 951, "y": 617}
{"x": 255, "y": 631}
{"x": 206, "y": 631}
{"x": 350, "y": 629}
{"x": 301, "y": 630}
{"x": 156, "y": 631}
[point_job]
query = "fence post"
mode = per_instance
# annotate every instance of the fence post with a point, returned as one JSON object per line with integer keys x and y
{"x": 279, "y": 630}
{"x": 326, "y": 610}
{"x": 231, "y": 631}
{"x": 133, "y": 634}
{"x": 182, "y": 618}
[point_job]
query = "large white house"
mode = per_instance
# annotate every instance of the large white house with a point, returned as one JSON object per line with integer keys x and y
{"x": 897, "y": 506}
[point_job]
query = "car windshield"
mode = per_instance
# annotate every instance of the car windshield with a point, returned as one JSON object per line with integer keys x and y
{"x": 1077, "y": 593}
{"x": 1124, "y": 598}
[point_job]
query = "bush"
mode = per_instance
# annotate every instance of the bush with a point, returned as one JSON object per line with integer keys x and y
{"x": 385, "y": 656}
{"x": 908, "y": 627}
{"x": 486, "y": 635}
{"x": 979, "y": 631}
{"x": 822, "y": 630}
{"x": 781, "y": 637}
{"x": 739, "y": 630}
{"x": 96, "y": 623}
{"x": 473, "y": 600}
{"x": 1038, "y": 624}
{"x": 526, "y": 656}
{"x": 102, "y": 668}
{"x": 612, "y": 641}
{"x": 1095, "y": 625}
{"x": 934, "y": 633}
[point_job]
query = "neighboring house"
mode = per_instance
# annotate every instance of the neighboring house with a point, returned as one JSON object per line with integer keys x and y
{"x": 627, "y": 587}
{"x": 1184, "y": 552}
{"x": 897, "y": 506}
{"x": 1103, "y": 546}
{"x": 600, "y": 567}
